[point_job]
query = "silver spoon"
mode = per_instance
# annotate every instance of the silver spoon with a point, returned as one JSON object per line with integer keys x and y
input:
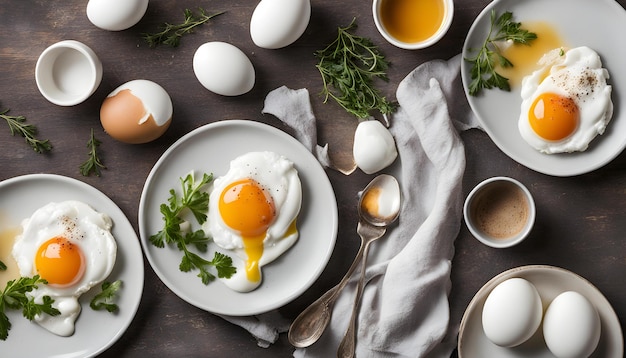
{"x": 308, "y": 327}
{"x": 373, "y": 225}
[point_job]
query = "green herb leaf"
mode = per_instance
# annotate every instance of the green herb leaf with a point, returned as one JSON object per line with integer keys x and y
{"x": 3, "y": 267}
{"x": 348, "y": 67}
{"x": 93, "y": 164}
{"x": 224, "y": 265}
{"x": 196, "y": 200}
{"x": 171, "y": 34}
{"x": 28, "y": 131}
{"x": 483, "y": 71}
{"x": 105, "y": 299}
{"x": 14, "y": 297}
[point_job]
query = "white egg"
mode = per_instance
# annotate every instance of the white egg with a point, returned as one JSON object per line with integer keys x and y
{"x": 223, "y": 68}
{"x": 279, "y": 23}
{"x": 116, "y": 15}
{"x": 252, "y": 211}
{"x": 512, "y": 312}
{"x": 566, "y": 103}
{"x": 571, "y": 326}
{"x": 374, "y": 148}
{"x": 138, "y": 111}
{"x": 71, "y": 246}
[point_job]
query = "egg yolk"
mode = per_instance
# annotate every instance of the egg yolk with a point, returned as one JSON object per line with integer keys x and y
{"x": 249, "y": 209}
{"x": 553, "y": 117}
{"x": 60, "y": 262}
{"x": 370, "y": 202}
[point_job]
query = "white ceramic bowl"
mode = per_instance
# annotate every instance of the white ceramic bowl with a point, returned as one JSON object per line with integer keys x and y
{"x": 68, "y": 72}
{"x": 443, "y": 28}
{"x": 485, "y": 238}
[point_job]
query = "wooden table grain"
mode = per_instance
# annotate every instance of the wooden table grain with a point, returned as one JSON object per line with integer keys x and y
{"x": 581, "y": 220}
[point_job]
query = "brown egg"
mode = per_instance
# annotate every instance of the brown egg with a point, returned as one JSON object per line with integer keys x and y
{"x": 136, "y": 112}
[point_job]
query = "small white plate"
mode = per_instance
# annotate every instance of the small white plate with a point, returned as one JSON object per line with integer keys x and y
{"x": 579, "y": 23}
{"x": 550, "y": 281}
{"x": 210, "y": 149}
{"x": 95, "y": 330}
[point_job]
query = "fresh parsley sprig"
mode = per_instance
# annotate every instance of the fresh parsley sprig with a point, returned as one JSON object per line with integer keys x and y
{"x": 14, "y": 297}
{"x": 196, "y": 201}
{"x": 170, "y": 34}
{"x": 483, "y": 70}
{"x": 3, "y": 267}
{"x": 93, "y": 164}
{"x": 28, "y": 131}
{"x": 105, "y": 299}
{"x": 349, "y": 66}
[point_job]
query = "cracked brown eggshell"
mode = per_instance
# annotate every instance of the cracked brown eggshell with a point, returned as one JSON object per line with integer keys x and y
{"x": 136, "y": 112}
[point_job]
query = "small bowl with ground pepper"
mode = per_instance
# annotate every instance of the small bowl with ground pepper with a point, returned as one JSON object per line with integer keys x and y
{"x": 500, "y": 212}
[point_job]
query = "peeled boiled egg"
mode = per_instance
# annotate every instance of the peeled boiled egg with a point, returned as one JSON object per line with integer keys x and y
{"x": 512, "y": 312}
{"x": 279, "y": 23}
{"x": 571, "y": 326}
{"x": 223, "y": 68}
{"x": 252, "y": 212}
{"x": 374, "y": 148}
{"x": 70, "y": 245}
{"x": 116, "y": 15}
{"x": 136, "y": 112}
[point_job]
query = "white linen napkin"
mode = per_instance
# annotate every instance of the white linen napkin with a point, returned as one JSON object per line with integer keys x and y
{"x": 404, "y": 310}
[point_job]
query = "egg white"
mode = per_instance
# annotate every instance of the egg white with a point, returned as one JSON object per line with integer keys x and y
{"x": 565, "y": 71}
{"x": 279, "y": 177}
{"x": 84, "y": 227}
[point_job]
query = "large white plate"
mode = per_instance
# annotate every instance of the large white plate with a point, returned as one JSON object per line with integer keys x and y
{"x": 550, "y": 282}
{"x": 579, "y": 22}
{"x": 210, "y": 149}
{"x": 95, "y": 330}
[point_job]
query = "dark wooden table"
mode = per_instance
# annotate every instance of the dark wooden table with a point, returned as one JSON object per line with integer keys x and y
{"x": 580, "y": 223}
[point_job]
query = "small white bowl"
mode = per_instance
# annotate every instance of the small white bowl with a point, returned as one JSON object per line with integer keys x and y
{"x": 68, "y": 72}
{"x": 443, "y": 28}
{"x": 490, "y": 187}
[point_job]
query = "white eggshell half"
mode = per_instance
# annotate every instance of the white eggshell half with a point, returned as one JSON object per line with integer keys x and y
{"x": 571, "y": 326}
{"x": 223, "y": 68}
{"x": 512, "y": 312}
{"x": 116, "y": 15}
{"x": 279, "y": 23}
{"x": 374, "y": 148}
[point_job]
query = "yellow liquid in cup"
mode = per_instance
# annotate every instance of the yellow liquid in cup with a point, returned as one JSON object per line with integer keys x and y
{"x": 412, "y": 21}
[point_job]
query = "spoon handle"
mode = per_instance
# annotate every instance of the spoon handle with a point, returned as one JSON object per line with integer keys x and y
{"x": 308, "y": 327}
{"x": 347, "y": 348}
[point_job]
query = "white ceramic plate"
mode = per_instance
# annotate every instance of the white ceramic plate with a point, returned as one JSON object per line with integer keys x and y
{"x": 210, "y": 149}
{"x": 579, "y": 22}
{"x": 95, "y": 330}
{"x": 550, "y": 282}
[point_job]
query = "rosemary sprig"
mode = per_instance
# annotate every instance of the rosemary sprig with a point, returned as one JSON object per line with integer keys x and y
{"x": 349, "y": 65}
{"x": 93, "y": 164}
{"x": 170, "y": 34}
{"x": 483, "y": 70}
{"x": 28, "y": 131}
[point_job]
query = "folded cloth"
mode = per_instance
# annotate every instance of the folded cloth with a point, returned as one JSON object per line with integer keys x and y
{"x": 264, "y": 327}
{"x": 404, "y": 310}
{"x": 293, "y": 107}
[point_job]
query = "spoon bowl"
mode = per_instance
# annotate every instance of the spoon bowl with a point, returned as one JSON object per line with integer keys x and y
{"x": 379, "y": 203}
{"x": 379, "y": 206}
